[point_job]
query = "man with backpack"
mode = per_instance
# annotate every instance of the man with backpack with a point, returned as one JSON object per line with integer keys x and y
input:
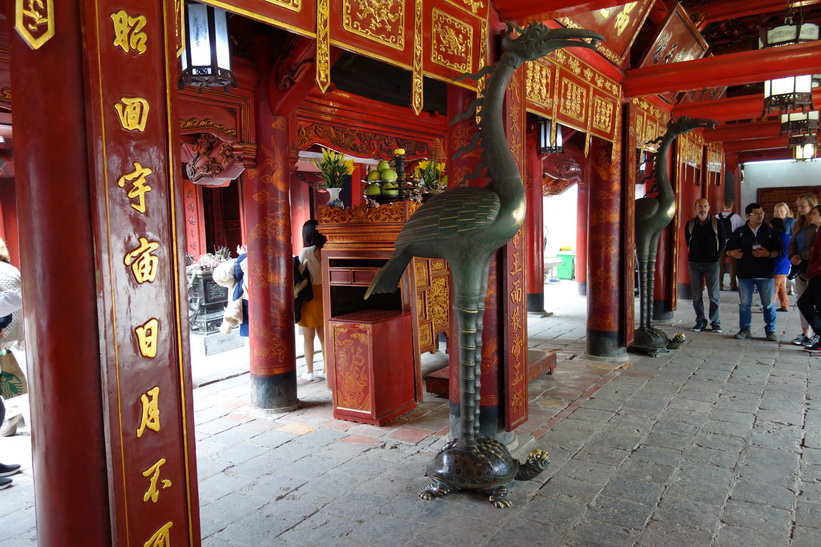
{"x": 732, "y": 222}
{"x": 705, "y": 239}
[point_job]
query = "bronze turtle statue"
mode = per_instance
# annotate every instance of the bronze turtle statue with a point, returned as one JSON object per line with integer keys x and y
{"x": 487, "y": 467}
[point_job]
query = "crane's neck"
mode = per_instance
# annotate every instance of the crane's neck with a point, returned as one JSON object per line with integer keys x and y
{"x": 665, "y": 189}
{"x": 505, "y": 179}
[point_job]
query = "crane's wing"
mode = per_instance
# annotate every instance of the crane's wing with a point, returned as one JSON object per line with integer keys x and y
{"x": 454, "y": 213}
{"x": 645, "y": 208}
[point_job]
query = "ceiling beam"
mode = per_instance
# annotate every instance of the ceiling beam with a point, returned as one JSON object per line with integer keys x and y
{"x": 734, "y": 9}
{"x": 743, "y": 131}
{"x": 725, "y": 70}
{"x": 757, "y": 144}
{"x": 539, "y": 10}
{"x": 736, "y": 108}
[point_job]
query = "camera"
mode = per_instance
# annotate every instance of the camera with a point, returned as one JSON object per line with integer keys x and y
{"x": 797, "y": 269}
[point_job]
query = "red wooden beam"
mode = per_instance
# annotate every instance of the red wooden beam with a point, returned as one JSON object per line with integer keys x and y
{"x": 733, "y": 9}
{"x": 764, "y": 155}
{"x": 743, "y": 131}
{"x": 732, "y": 69}
{"x": 757, "y": 144}
{"x": 539, "y": 10}
{"x": 736, "y": 108}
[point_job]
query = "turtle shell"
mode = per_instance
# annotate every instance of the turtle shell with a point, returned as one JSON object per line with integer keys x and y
{"x": 480, "y": 467}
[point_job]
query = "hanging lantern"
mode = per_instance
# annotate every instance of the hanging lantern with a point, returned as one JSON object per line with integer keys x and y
{"x": 206, "y": 61}
{"x": 792, "y": 92}
{"x": 799, "y": 123}
{"x": 551, "y": 138}
{"x": 804, "y": 152}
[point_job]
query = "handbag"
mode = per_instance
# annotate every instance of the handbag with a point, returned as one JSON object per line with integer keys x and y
{"x": 12, "y": 380}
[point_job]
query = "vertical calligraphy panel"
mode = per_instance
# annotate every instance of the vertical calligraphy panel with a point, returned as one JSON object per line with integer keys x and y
{"x": 131, "y": 66}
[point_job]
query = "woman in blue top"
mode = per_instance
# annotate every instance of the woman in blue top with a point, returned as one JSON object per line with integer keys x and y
{"x": 782, "y": 211}
{"x": 782, "y": 267}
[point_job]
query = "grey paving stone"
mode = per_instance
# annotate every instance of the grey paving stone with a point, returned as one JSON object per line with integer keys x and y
{"x": 803, "y": 536}
{"x": 659, "y": 533}
{"x": 765, "y": 494}
{"x": 520, "y": 531}
{"x": 734, "y": 429}
{"x": 588, "y": 471}
{"x": 643, "y": 471}
{"x": 602, "y": 454}
{"x": 463, "y": 531}
{"x": 781, "y": 417}
{"x": 552, "y": 510}
{"x": 702, "y": 472}
{"x": 694, "y": 489}
{"x": 689, "y": 513}
{"x": 657, "y": 454}
{"x": 589, "y": 414}
{"x": 318, "y": 529}
{"x": 619, "y": 511}
{"x": 662, "y": 439}
{"x": 675, "y": 427}
{"x": 643, "y": 492}
{"x": 385, "y": 530}
{"x": 738, "y": 417}
{"x": 591, "y": 533}
{"x": 768, "y": 440}
{"x": 719, "y": 458}
{"x": 754, "y": 516}
{"x": 768, "y": 466}
{"x": 562, "y": 485}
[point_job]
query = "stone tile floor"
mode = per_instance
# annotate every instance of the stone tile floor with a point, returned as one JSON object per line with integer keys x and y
{"x": 717, "y": 443}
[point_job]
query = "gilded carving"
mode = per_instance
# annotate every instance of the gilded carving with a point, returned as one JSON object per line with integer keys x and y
{"x": 128, "y": 32}
{"x": 356, "y": 142}
{"x": 323, "y": 45}
{"x": 143, "y": 263}
{"x": 417, "y": 86}
{"x": 133, "y": 113}
{"x": 162, "y": 537}
{"x": 139, "y": 186}
{"x": 34, "y": 21}
{"x": 293, "y": 5}
{"x": 539, "y": 85}
{"x": 397, "y": 211}
{"x": 573, "y": 100}
{"x": 153, "y": 493}
{"x": 603, "y": 217}
{"x": 603, "y": 111}
{"x": 377, "y": 20}
{"x": 147, "y": 338}
{"x": 150, "y": 404}
{"x": 5, "y": 94}
{"x": 473, "y": 6}
{"x": 452, "y": 45}
{"x": 422, "y": 275}
{"x": 439, "y": 302}
{"x": 207, "y": 125}
{"x": 351, "y": 376}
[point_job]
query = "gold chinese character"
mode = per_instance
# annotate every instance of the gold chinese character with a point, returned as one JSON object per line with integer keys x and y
{"x": 142, "y": 262}
{"x": 147, "y": 337}
{"x": 151, "y": 411}
{"x": 128, "y": 32}
{"x": 133, "y": 112}
{"x": 152, "y": 493}
{"x": 623, "y": 18}
{"x": 139, "y": 187}
{"x": 161, "y": 537}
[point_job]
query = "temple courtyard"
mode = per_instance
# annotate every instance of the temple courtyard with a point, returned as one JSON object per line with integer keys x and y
{"x": 716, "y": 443}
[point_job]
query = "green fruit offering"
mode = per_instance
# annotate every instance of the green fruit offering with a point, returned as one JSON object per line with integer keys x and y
{"x": 383, "y": 165}
{"x": 389, "y": 175}
{"x": 373, "y": 175}
{"x": 373, "y": 190}
{"x": 390, "y": 191}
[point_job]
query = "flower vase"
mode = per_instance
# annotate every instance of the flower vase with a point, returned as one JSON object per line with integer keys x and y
{"x": 334, "y": 200}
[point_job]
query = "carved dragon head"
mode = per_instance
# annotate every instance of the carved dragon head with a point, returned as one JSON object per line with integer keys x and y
{"x": 685, "y": 124}
{"x": 537, "y": 40}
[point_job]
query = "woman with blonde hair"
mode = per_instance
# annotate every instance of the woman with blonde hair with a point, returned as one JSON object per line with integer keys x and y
{"x": 783, "y": 286}
{"x": 799, "y": 250}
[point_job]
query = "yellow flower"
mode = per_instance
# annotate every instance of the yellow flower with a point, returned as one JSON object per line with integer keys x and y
{"x": 431, "y": 174}
{"x": 334, "y": 167}
{"x": 399, "y": 152}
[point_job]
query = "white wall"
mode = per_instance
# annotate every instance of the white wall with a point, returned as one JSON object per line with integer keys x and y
{"x": 772, "y": 174}
{"x": 560, "y": 220}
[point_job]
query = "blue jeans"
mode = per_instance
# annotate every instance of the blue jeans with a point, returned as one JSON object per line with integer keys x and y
{"x": 709, "y": 273}
{"x": 745, "y": 294}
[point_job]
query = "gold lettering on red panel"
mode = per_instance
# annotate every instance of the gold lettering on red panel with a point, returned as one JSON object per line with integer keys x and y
{"x": 161, "y": 538}
{"x": 150, "y": 402}
{"x": 133, "y": 112}
{"x": 574, "y": 99}
{"x": 128, "y": 32}
{"x": 603, "y": 114}
{"x": 474, "y": 6}
{"x": 452, "y": 42}
{"x": 154, "y": 472}
{"x": 377, "y": 20}
{"x": 147, "y": 336}
{"x": 34, "y": 21}
{"x": 143, "y": 263}
{"x": 623, "y": 18}
{"x": 139, "y": 187}
{"x": 293, "y": 5}
{"x": 539, "y": 85}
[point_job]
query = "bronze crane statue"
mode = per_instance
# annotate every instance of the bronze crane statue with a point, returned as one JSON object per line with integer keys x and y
{"x": 465, "y": 226}
{"x": 652, "y": 215}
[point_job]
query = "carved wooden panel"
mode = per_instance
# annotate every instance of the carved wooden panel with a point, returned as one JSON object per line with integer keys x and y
{"x": 432, "y": 301}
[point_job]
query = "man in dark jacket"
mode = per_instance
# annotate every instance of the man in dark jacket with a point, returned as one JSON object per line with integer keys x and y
{"x": 705, "y": 239}
{"x": 755, "y": 245}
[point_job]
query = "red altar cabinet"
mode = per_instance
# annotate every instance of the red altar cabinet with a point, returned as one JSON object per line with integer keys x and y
{"x": 373, "y": 346}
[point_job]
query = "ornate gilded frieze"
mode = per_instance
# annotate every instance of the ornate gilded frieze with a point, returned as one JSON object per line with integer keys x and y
{"x": 356, "y": 142}
{"x": 323, "y": 45}
{"x": 604, "y": 114}
{"x": 395, "y": 212}
{"x": 34, "y": 21}
{"x": 293, "y": 5}
{"x": 207, "y": 125}
{"x": 418, "y": 74}
{"x": 376, "y": 20}
{"x": 452, "y": 45}
{"x": 690, "y": 148}
{"x": 715, "y": 154}
{"x": 539, "y": 85}
{"x": 573, "y": 99}
{"x": 476, "y": 7}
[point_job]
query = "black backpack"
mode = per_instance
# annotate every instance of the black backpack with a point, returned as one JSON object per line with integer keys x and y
{"x": 303, "y": 291}
{"x": 728, "y": 224}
